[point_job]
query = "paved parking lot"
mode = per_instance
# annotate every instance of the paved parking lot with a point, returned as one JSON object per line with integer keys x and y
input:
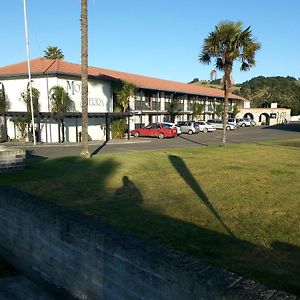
{"x": 241, "y": 135}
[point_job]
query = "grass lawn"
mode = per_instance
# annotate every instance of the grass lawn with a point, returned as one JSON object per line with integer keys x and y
{"x": 237, "y": 207}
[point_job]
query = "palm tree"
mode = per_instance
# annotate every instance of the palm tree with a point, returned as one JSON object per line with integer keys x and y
{"x": 84, "y": 79}
{"x": 53, "y": 52}
{"x": 124, "y": 90}
{"x": 227, "y": 43}
{"x": 60, "y": 103}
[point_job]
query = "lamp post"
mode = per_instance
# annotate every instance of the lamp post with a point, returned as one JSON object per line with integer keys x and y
{"x": 29, "y": 73}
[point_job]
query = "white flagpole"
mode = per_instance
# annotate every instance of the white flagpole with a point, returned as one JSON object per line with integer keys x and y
{"x": 29, "y": 73}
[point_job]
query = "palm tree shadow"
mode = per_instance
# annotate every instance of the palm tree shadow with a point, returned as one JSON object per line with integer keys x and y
{"x": 187, "y": 176}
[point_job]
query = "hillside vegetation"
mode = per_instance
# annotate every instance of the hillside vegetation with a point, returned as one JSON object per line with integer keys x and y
{"x": 262, "y": 91}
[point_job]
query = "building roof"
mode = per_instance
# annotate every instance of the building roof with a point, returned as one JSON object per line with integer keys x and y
{"x": 45, "y": 66}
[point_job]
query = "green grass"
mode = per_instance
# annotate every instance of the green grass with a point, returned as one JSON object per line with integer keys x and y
{"x": 237, "y": 207}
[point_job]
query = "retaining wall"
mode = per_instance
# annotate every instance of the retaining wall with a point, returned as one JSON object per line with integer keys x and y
{"x": 91, "y": 260}
{"x": 11, "y": 159}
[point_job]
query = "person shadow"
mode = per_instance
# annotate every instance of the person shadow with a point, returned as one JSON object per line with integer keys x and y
{"x": 129, "y": 191}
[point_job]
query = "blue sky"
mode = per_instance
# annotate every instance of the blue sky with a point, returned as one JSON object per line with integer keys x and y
{"x": 159, "y": 38}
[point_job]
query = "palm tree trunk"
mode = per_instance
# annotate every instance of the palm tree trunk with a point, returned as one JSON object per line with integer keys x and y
{"x": 62, "y": 129}
{"x": 225, "y": 110}
{"x": 84, "y": 79}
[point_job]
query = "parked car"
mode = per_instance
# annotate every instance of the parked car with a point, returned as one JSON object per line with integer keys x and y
{"x": 205, "y": 127}
{"x": 159, "y": 130}
{"x": 189, "y": 127}
{"x": 173, "y": 125}
{"x": 219, "y": 124}
{"x": 243, "y": 122}
{"x": 240, "y": 122}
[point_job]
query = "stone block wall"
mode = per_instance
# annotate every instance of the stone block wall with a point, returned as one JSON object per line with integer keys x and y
{"x": 11, "y": 159}
{"x": 92, "y": 260}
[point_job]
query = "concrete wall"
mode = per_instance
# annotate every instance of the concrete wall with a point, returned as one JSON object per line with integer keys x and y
{"x": 266, "y": 116}
{"x": 91, "y": 260}
{"x": 11, "y": 159}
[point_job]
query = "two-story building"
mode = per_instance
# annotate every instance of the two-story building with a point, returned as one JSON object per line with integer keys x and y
{"x": 150, "y": 104}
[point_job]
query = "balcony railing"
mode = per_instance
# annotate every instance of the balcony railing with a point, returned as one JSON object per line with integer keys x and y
{"x": 142, "y": 105}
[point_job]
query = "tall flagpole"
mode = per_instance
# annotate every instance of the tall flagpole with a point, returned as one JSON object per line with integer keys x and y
{"x": 29, "y": 73}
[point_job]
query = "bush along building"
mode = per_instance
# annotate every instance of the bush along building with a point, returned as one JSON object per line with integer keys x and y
{"x": 57, "y": 101}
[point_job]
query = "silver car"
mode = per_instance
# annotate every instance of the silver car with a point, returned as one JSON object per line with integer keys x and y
{"x": 219, "y": 124}
{"x": 205, "y": 127}
{"x": 240, "y": 122}
{"x": 189, "y": 127}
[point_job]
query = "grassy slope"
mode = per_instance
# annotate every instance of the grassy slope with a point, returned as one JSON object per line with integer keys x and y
{"x": 236, "y": 207}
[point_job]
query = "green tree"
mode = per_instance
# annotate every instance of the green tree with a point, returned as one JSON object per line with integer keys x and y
{"x": 124, "y": 90}
{"x": 4, "y": 103}
{"x": 194, "y": 80}
{"x": 235, "y": 111}
{"x": 26, "y": 120}
{"x": 227, "y": 43}
{"x": 218, "y": 110}
{"x": 174, "y": 109}
{"x": 198, "y": 109}
{"x": 84, "y": 79}
{"x": 61, "y": 103}
{"x": 53, "y": 53}
{"x": 25, "y": 95}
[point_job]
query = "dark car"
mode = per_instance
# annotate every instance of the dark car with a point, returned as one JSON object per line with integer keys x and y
{"x": 160, "y": 130}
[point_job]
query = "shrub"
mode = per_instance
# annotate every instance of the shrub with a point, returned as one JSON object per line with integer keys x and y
{"x": 119, "y": 127}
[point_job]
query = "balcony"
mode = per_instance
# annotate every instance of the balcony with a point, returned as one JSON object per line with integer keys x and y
{"x": 144, "y": 106}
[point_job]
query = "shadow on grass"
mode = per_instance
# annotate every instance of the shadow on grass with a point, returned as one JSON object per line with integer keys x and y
{"x": 97, "y": 150}
{"x": 191, "y": 141}
{"x": 277, "y": 266}
{"x": 30, "y": 155}
{"x": 187, "y": 176}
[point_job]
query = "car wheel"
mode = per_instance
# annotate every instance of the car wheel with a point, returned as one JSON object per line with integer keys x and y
{"x": 161, "y": 135}
{"x": 190, "y": 132}
{"x": 228, "y": 128}
{"x": 243, "y": 125}
{"x": 136, "y": 134}
{"x": 205, "y": 130}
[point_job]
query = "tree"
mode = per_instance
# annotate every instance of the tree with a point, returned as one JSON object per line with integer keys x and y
{"x": 53, "y": 53}
{"x": 4, "y": 103}
{"x": 218, "y": 110}
{"x": 227, "y": 43}
{"x": 194, "y": 80}
{"x": 84, "y": 78}
{"x": 174, "y": 109}
{"x": 198, "y": 109}
{"x": 25, "y": 95}
{"x": 124, "y": 90}
{"x": 235, "y": 110}
{"x": 60, "y": 103}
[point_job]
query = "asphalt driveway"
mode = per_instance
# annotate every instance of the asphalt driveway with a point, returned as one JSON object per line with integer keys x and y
{"x": 241, "y": 135}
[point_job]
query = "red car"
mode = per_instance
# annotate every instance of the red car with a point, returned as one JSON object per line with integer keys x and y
{"x": 159, "y": 130}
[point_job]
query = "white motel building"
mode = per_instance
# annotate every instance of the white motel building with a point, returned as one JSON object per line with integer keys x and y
{"x": 150, "y": 104}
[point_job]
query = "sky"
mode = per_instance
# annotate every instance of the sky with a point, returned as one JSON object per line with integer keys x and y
{"x": 158, "y": 38}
